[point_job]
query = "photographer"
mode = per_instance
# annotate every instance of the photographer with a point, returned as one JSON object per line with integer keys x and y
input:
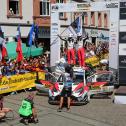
{"x": 66, "y": 92}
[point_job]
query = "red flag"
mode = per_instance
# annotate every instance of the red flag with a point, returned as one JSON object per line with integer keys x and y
{"x": 19, "y": 46}
{"x": 3, "y": 49}
{"x": 19, "y": 50}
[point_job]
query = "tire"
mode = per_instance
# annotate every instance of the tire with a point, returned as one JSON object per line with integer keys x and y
{"x": 42, "y": 93}
{"x": 85, "y": 100}
{"x": 51, "y": 102}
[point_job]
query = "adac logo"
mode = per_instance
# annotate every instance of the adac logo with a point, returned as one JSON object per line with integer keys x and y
{"x": 55, "y": 7}
{"x": 112, "y": 5}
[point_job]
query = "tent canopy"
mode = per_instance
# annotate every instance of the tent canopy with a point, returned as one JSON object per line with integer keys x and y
{"x": 27, "y": 51}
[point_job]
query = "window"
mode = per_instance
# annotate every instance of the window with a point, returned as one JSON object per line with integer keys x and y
{"x": 99, "y": 20}
{"x": 105, "y": 21}
{"x": 85, "y": 19}
{"x": 91, "y": 79}
{"x": 92, "y": 18}
{"x": 61, "y": 15}
{"x": 45, "y": 7}
{"x": 14, "y": 8}
{"x": 103, "y": 77}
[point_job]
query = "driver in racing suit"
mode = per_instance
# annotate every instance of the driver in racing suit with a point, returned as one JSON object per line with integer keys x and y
{"x": 70, "y": 49}
{"x": 66, "y": 92}
{"x": 81, "y": 49}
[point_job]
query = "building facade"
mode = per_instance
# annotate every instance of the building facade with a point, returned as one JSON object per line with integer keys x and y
{"x": 96, "y": 24}
{"x": 27, "y": 12}
{"x": 14, "y": 13}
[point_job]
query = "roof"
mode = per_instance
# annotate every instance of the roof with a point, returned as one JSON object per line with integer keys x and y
{"x": 27, "y": 51}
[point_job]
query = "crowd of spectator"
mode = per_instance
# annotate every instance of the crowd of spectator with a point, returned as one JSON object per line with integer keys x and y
{"x": 12, "y": 67}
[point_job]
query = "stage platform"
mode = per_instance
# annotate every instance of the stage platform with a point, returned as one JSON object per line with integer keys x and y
{"x": 120, "y": 95}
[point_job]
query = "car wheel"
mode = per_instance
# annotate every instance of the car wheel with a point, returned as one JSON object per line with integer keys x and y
{"x": 85, "y": 100}
{"x": 51, "y": 102}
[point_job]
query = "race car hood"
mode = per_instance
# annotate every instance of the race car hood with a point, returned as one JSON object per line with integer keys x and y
{"x": 79, "y": 86}
{"x": 97, "y": 84}
{"x": 46, "y": 83}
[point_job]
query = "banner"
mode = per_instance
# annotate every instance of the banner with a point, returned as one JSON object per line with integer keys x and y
{"x": 41, "y": 75}
{"x": 19, "y": 82}
{"x": 94, "y": 61}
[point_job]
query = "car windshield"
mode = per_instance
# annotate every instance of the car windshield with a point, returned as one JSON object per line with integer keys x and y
{"x": 103, "y": 77}
{"x": 78, "y": 77}
{"x": 50, "y": 77}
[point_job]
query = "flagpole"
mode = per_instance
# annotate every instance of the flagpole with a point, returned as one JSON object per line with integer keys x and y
{"x": 27, "y": 52}
{"x": 30, "y": 51}
{"x": 54, "y": 41}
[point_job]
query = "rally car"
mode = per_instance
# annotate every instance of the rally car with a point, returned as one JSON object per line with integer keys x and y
{"x": 101, "y": 83}
{"x": 42, "y": 86}
{"x": 79, "y": 89}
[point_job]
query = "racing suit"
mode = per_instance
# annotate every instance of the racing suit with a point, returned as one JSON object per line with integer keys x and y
{"x": 70, "y": 50}
{"x": 81, "y": 53}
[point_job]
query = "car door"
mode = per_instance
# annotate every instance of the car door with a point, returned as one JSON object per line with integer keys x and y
{"x": 61, "y": 82}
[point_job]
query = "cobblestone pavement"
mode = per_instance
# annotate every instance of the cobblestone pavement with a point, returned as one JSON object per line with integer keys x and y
{"x": 99, "y": 112}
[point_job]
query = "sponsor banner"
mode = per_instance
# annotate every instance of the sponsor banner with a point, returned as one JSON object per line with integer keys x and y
{"x": 18, "y": 82}
{"x": 55, "y": 40}
{"x": 122, "y": 49}
{"x": 94, "y": 61}
{"x": 123, "y": 4}
{"x": 112, "y": 5}
{"x": 113, "y": 39}
{"x": 62, "y": 7}
{"x": 122, "y": 76}
{"x": 122, "y": 61}
{"x": 122, "y": 10}
{"x": 83, "y": 6}
{"x": 41, "y": 75}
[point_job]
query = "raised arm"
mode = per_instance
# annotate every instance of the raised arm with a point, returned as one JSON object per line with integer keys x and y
{"x": 62, "y": 38}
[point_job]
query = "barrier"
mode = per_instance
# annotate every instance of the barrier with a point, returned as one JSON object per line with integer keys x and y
{"x": 19, "y": 82}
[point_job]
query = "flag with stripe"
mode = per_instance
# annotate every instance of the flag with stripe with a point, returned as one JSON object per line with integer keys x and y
{"x": 19, "y": 46}
{"x": 3, "y": 50}
{"x": 31, "y": 36}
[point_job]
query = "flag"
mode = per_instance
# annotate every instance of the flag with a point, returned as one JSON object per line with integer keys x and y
{"x": 1, "y": 33}
{"x": 19, "y": 46}
{"x": 36, "y": 35}
{"x": 78, "y": 22}
{"x": 31, "y": 36}
{"x": 19, "y": 32}
{"x": 3, "y": 50}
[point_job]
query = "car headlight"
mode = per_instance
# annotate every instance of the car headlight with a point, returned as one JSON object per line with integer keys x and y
{"x": 79, "y": 90}
{"x": 54, "y": 89}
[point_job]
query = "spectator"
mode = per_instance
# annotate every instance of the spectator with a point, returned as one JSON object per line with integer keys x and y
{"x": 68, "y": 79}
{"x": 11, "y": 12}
{"x": 27, "y": 110}
{"x": 2, "y": 115}
{"x": 3, "y": 110}
{"x": 1, "y": 67}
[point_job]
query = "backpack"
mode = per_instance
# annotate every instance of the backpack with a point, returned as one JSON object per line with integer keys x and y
{"x": 25, "y": 108}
